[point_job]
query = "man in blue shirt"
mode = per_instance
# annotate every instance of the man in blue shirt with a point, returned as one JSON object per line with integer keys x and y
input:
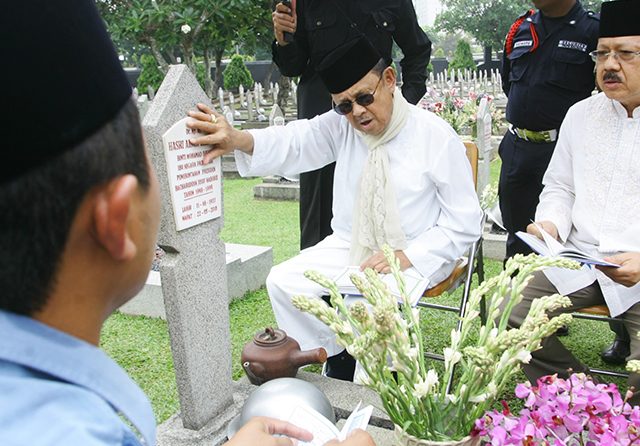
{"x": 79, "y": 212}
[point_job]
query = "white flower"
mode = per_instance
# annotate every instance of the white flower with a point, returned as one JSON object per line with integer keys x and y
{"x": 633, "y": 366}
{"x": 451, "y": 357}
{"x": 523, "y": 356}
{"x": 478, "y": 398}
{"x": 423, "y": 388}
{"x": 455, "y": 338}
{"x": 186, "y": 29}
{"x": 432, "y": 377}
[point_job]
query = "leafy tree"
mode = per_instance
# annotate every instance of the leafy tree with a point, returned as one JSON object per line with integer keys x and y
{"x": 237, "y": 74}
{"x": 486, "y": 20}
{"x": 192, "y": 29}
{"x": 439, "y": 53}
{"x": 150, "y": 76}
{"x": 592, "y": 5}
{"x": 462, "y": 58}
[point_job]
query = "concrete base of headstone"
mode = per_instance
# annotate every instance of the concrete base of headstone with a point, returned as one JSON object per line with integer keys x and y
{"x": 149, "y": 301}
{"x": 247, "y": 270}
{"x": 229, "y": 168}
{"x": 214, "y": 433}
{"x": 494, "y": 245}
{"x": 274, "y": 189}
{"x": 344, "y": 397}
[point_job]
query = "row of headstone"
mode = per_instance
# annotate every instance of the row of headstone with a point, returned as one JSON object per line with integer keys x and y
{"x": 468, "y": 80}
{"x": 252, "y": 104}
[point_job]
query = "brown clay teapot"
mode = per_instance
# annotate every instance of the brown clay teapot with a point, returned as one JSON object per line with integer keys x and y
{"x": 272, "y": 354}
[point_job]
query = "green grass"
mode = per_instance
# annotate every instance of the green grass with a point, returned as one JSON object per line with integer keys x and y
{"x": 260, "y": 222}
{"x": 141, "y": 345}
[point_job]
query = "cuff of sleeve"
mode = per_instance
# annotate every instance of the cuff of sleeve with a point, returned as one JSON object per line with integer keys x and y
{"x": 560, "y": 217}
{"x": 428, "y": 265}
{"x": 282, "y": 51}
{"x": 243, "y": 162}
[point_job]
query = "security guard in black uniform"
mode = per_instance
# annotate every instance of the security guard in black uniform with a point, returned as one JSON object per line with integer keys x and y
{"x": 546, "y": 69}
{"x": 323, "y": 25}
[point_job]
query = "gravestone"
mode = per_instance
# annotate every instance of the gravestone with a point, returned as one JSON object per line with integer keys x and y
{"x": 221, "y": 98}
{"x": 241, "y": 93}
{"x": 249, "y": 106}
{"x": 193, "y": 269}
{"x": 276, "y": 117}
{"x": 483, "y": 123}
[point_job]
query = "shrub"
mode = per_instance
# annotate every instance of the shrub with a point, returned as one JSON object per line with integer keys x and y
{"x": 462, "y": 57}
{"x": 150, "y": 74}
{"x": 237, "y": 74}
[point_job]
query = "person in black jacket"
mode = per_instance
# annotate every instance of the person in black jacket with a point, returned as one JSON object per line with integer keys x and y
{"x": 319, "y": 26}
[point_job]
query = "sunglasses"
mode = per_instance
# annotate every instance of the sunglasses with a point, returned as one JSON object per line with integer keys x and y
{"x": 346, "y": 107}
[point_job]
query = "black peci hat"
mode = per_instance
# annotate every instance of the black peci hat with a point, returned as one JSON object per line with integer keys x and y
{"x": 620, "y": 18}
{"x": 347, "y": 64}
{"x": 61, "y": 80}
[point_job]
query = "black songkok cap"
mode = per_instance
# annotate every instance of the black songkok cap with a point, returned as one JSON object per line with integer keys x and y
{"x": 61, "y": 80}
{"x": 347, "y": 64}
{"x": 620, "y": 18}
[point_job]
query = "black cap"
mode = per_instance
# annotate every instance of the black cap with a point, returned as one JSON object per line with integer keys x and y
{"x": 347, "y": 64}
{"x": 61, "y": 80}
{"x": 620, "y": 18}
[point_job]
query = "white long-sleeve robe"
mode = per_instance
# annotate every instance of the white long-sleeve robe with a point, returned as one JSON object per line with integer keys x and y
{"x": 437, "y": 203}
{"x": 592, "y": 193}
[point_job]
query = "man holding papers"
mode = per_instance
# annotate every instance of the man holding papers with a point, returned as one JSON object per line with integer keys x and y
{"x": 402, "y": 179}
{"x": 591, "y": 198}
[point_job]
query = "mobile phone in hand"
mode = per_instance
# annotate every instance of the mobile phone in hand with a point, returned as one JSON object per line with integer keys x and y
{"x": 288, "y": 37}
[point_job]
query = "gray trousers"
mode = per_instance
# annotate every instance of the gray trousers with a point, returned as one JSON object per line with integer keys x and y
{"x": 554, "y": 357}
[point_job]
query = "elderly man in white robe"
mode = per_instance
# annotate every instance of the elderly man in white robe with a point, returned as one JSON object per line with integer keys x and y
{"x": 591, "y": 195}
{"x": 402, "y": 178}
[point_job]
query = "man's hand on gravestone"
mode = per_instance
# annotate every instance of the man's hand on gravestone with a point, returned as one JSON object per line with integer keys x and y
{"x": 218, "y": 133}
{"x": 379, "y": 263}
{"x": 629, "y": 272}
{"x": 261, "y": 431}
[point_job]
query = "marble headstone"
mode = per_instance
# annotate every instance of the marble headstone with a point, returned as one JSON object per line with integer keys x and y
{"x": 193, "y": 274}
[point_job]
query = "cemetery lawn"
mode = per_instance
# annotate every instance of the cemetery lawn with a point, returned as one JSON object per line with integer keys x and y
{"x": 141, "y": 345}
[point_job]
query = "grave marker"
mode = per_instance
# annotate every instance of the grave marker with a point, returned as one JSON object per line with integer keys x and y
{"x": 193, "y": 272}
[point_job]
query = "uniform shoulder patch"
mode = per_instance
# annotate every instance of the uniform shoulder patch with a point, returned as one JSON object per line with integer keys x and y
{"x": 514, "y": 29}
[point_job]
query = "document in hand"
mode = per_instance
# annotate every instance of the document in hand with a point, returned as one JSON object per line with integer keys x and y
{"x": 324, "y": 430}
{"x": 550, "y": 247}
{"x": 414, "y": 284}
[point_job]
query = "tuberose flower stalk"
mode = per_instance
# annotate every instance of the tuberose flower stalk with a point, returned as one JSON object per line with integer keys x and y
{"x": 384, "y": 335}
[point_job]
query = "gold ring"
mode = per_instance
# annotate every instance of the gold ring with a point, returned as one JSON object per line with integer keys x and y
{"x": 214, "y": 119}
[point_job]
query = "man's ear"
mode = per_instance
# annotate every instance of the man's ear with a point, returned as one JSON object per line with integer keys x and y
{"x": 389, "y": 75}
{"x": 111, "y": 215}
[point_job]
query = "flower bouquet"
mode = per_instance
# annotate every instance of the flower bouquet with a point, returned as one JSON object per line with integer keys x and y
{"x": 386, "y": 337}
{"x": 460, "y": 112}
{"x": 570, "y": 412}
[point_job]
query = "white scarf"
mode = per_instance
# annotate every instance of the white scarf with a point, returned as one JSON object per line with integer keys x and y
{"x": 376, "y": 220}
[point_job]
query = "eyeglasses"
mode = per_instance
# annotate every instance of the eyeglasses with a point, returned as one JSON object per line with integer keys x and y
{"x": 346, "y": 107}
{"x": 623, "y": 55}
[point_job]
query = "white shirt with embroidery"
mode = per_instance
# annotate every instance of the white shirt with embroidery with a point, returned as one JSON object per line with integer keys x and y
{"x": 592, "y": 193}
